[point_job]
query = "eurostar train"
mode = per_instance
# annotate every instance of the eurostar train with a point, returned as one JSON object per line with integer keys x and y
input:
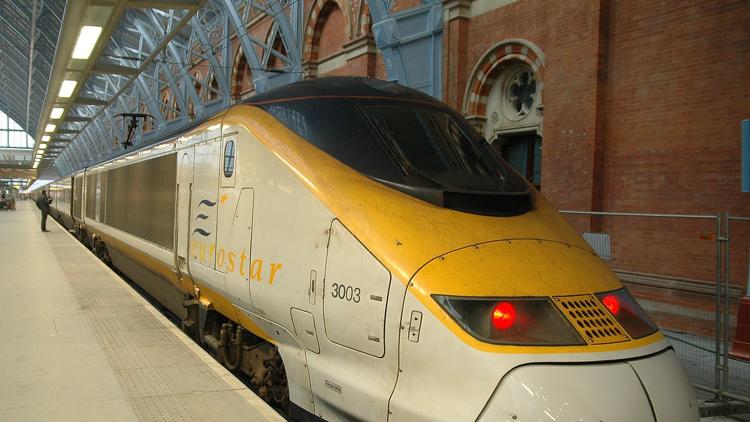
{"x": 361, "y": 253}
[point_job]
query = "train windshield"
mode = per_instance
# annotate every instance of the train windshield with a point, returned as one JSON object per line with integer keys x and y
{"x": 430, "y": 143}
{"x": 409, "y": 144}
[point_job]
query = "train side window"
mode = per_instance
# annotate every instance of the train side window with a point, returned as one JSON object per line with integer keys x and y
{"x": 229, "y": 158}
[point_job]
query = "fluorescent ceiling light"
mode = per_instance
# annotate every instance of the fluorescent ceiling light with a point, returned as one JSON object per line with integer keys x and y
{"x": 43, "y": 146}
{"x": 45, "y": 138}
{"x": 50, "y": 128}
{"x": 67, "y": 87}
{"x": 56, "y": 113}
{"x": 86, "y": 41}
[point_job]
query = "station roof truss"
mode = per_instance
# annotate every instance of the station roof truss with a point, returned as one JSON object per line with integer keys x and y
{"x": 173, "y": 60}
{"x": 151, "y": 57}
{"x": 29, "y": 31}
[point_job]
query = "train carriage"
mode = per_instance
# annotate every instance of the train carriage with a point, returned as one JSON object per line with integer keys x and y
{"x": 362, "y": 254}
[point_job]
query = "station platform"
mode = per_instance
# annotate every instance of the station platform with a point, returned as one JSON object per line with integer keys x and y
{"x": 77, "y": 343}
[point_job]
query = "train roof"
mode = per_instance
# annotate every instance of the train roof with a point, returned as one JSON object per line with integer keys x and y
{"x": 342, "y": 87}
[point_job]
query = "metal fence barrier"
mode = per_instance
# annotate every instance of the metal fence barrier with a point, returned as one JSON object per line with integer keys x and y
{"x": 689, "y": 272}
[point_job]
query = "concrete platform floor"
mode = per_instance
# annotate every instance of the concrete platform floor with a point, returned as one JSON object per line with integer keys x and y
{"x": 78, "y": 344}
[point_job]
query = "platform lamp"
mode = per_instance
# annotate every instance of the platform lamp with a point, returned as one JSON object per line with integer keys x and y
{"x": 741, "y": 344}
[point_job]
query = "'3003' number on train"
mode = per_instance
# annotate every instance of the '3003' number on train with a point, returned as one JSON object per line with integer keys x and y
{"x": 344, "y": 292}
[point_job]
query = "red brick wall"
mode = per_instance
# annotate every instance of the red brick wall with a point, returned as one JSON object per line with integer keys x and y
{"x": 568, "y": 35}
{"x": 679, "y": 79}
{"x": 642, "y": 104}
{"x": 642, "y": 99}
{"x": 332, "y": 32}
{"x": 679, "y": 84}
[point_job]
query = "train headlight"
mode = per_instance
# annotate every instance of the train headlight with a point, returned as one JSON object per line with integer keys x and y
{"x": 628, "y": 313}
{"x": 516, "y": 321}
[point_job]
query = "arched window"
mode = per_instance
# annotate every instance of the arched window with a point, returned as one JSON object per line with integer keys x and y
{"x": 12, "y": 135}
{"x": 229, "y": 158}
{"x": 514, "y": 119}
{"x": 503, "y": 100}
{"x": 329, "y": 31}
{"x": 242, "y": 79}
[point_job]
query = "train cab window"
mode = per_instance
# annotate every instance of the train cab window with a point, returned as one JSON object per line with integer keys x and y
{"x": 406, "y": 141}
{"x": 430, "y": 143}
{"x": 229, "y": 158}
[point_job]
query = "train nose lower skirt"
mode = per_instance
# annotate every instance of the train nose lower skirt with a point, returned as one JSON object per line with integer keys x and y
{"x": 654, "y": 388}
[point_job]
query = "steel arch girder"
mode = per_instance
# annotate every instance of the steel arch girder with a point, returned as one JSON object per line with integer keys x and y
{"x": 188, "y": 84}
{"x": 413, "y": 32}
{"x": 288, "y": 36}
{"x": 287, "y": 33}
{"x": 170, "y": 78}
{"x": 153, "y": 107}
{"x": 247, "y": 48}
{"x": 218, "y": 70}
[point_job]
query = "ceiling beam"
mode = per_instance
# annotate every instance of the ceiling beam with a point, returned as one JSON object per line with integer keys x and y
{"x": 70, "y": 118}
{"x": 114, "y": 69}
{"x": 90, "y": 101}
{"x": 32, "y": 42}
{"x": 165, "y": 4}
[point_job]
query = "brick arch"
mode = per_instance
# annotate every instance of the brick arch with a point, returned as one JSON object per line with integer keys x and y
{"x": 239, "y": 64}
{"x": 211, "y": 82}
{"x": 315, "y": 21}
{"x": 488, "y": 68}
{"x": 364, "y": 22}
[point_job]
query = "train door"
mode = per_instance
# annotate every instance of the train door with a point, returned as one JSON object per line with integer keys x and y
{"x": 356, "y": 292}
{"x": 238, "y": 244}
{"x": 204, "y": 206}
{"x": 234, "y": 232}
{"x": 182, "y": 228}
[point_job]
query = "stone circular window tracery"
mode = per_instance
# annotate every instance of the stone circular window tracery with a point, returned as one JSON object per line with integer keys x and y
{"x": 519, "y": 93}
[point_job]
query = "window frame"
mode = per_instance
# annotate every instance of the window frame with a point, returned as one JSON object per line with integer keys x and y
{"x": 228, "y": 180}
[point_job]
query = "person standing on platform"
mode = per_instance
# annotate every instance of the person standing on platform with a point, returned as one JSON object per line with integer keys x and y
{"x": 43, "y": 204}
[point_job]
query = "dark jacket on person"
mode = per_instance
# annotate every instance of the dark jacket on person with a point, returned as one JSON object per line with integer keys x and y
{"x": 43, "y": 203}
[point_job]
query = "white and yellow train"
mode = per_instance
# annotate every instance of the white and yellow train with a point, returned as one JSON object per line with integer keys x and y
{"x": 361, "y": 253}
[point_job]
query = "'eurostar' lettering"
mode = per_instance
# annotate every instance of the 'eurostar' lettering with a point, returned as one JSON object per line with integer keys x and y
{"x": 231, "y": 261}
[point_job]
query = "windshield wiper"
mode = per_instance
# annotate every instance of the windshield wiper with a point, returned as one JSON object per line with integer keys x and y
{"x": 391, "y": 146}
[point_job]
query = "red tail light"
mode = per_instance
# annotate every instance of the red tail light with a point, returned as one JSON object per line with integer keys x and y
{"x": 612, "y": 303}
{"x": 511, "y": 320}
{"x": 628, "y": 313}
{"x": 503, "y": 315}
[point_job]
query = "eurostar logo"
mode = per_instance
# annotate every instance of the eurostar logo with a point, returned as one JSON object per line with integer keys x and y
{"x": 202, "y": 216}
{"x": 223, "y": 198}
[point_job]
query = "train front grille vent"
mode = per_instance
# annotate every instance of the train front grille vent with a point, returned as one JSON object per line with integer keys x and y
{"x": 591, "y": 319}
